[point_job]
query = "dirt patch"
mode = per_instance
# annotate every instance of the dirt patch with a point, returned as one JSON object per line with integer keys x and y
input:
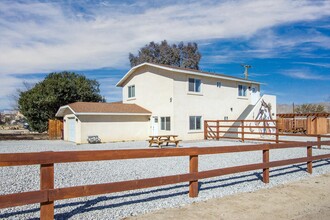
{"x": 306, "y": 199}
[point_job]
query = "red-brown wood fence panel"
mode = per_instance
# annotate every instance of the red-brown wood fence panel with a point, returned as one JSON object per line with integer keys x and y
{"x": 55, "y": 129}
{"x": 47, "y": 194}
{"x": 309, "y": 125}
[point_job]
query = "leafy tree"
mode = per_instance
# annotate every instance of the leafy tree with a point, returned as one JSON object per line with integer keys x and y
{"x": 41, "y": 102}
{"x": 181, "y": 55}
{"x": 310, "y": 108}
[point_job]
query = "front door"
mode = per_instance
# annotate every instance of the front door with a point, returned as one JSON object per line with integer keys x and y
{"x": 154, "y": 125}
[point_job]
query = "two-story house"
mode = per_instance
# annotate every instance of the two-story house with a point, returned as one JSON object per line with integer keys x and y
{"x": 172, "y": 100}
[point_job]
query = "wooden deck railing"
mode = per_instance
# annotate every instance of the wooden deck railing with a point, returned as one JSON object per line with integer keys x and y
{"x": 237, "y": 129}
{"x": 48, "y": 194}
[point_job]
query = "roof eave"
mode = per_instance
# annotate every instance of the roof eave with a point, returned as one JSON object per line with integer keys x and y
{"x": 60, "y": 111}
{"x": 112, "y": 113}
{"x": 120, "y": 83}
{"x": 219, "y": 77}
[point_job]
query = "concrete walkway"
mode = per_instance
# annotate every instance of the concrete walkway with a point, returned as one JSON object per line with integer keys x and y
{"x": 306, "y": 199}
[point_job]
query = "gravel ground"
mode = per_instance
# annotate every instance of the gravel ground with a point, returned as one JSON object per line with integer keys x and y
{"x": 120, "y": 205}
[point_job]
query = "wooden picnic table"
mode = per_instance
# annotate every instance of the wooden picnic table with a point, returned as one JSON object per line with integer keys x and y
{"x": 160, "y": 139}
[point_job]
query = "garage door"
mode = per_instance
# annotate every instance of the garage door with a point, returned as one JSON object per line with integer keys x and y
{"x": 72, "y": 129}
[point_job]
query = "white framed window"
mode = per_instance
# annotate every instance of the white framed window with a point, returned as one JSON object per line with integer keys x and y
{"x": 195, "y": 122}
{"x": 194, "y": 85}
{"x": 219, "y": 84}
{"x": 242, "y": 90}
{"x": 165, "y": 123}
{"x": 131, "y": 91}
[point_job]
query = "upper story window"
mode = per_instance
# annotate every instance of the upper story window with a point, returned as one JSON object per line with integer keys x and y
{"x": 242, "y": 90}
{"x": 194, "y": 85}
{"x": 131, "y": 91}
{"x": 165, "y": 123}
{"x": 219, "y": 84}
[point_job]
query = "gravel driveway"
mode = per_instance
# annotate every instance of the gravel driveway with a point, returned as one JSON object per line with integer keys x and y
{"x": 120, "y": 205}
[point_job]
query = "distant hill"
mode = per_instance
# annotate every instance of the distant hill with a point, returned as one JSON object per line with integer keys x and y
{"x": 287, "y": 108}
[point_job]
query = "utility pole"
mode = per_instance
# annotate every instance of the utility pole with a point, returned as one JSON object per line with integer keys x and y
{"x": 292, "y": 107}
{"x": 246, "y": 70}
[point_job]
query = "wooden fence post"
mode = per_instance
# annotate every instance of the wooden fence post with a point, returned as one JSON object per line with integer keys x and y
{"x": 318, "y": 140}
{"x": 309, "y": 163}
{"x": 193, "y": 168}
{"x": 277, "y": 132}
{"x": 242, "y": 125}
{"x": 218, "y": 128}
{"x": 265, "y": 159}
{"x": 47, "y": 182}
{"x": 205, "y": 130}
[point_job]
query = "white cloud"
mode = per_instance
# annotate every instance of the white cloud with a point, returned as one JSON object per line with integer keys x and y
{"x": 325, "y": 65}
{"x": 270, "y": 44}
{"x": 41, "y": 37}
{"x": 110, "y": 91}
{"x": 304, "y": 74}
{"x": 45, "y": 37}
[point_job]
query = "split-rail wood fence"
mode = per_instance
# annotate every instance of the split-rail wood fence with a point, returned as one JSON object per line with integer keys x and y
{"x": 48, "y": 194}
{"x": 250, "y": 130}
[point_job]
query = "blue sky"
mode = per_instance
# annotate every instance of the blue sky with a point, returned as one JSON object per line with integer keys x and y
{"x": 286, "y": 42}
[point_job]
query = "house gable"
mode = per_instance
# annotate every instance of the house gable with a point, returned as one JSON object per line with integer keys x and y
{"x": 153, "y": 90}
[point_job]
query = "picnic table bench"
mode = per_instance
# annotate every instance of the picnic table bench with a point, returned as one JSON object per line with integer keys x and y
{"x": 160, "y": 139}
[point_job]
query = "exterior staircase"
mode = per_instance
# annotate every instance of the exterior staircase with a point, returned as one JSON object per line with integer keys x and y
{"x": 246, "y": 112}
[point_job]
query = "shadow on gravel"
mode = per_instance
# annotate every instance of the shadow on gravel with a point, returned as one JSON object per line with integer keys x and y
{"x": 91, "y": 205}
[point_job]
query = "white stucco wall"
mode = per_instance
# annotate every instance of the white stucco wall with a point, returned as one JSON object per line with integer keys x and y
{"x": 114, "y": 128}
{"x": 269, "y": 99}
{"x": 212, "y": 103}
{"x": 153, "y": 92}
{"x": 166, "y": 93}
{"x": 107, "y": 127}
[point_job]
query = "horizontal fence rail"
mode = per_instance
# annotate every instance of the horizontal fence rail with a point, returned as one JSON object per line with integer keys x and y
{"x": 48, "y": 194}
{"x": 248, "y": 129}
